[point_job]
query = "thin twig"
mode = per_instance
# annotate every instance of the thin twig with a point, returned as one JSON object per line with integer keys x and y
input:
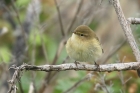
{"x": 20, "y": 85}
{"x": 33, "y": 62}
{"x": 121, "y": 76}
{"x": 75, "y": 16}
{"x": 40, "y": 30}
{"x": 77, "y": 84}
{"x": 59, "y": 50}
{"x": 59, "y": 17}
{"x": 19, "y": 21}
{"x": 43, "y": 46}
{"x": 104, "y": 86}
{"x": 109, "y": 55}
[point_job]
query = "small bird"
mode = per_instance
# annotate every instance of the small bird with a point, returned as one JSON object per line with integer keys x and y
{"x": 84, "y": 45}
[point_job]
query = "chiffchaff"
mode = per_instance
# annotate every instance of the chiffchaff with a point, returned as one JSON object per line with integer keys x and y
{"x": 84, "y": 45}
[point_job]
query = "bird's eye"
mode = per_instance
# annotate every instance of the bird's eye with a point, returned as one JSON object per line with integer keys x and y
{"x": 81, "y": 35}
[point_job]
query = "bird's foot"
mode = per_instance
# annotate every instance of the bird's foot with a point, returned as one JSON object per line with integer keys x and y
{"x": 76, "y": 63}
{"x": 98, "y": 66}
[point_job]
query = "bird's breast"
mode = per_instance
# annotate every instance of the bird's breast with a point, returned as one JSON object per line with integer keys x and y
{"x": 83, "y": 51}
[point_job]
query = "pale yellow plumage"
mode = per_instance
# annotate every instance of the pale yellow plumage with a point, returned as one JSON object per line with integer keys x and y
{"x": 83, "y": 45}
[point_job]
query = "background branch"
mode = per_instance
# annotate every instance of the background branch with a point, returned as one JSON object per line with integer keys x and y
{"x": 127, "y": 30}
{"x": 59, "y": 17}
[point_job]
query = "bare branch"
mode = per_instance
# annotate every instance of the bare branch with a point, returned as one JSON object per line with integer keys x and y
{"x": 71, "y": 66}
{"x": 88, "y": 67}
{"x": 59, "y": 17}
{"x": 127, "y": 30}
{"x": 134, "y": 20}
{"x": 14, "y": 80}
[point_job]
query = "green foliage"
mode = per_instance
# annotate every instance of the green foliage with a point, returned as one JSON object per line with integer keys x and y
{"x": 21, "y": 3}
{"x": 35, "y": 38}
{"x": 93, "y": 25}
{"x": 25, "y": 81}
{"x": 62, "y": 85}
{"x": 4, "y": 54}
{"x": 51, "y": 46}
{"x": 49, "y": 43}
{"x": 137, "y": 33}
{"x": 84, "y": 88}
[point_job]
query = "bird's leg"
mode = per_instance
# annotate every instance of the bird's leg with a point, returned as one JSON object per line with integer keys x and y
{"x": 98, "y": 66}
{"x": 76, "y": 63}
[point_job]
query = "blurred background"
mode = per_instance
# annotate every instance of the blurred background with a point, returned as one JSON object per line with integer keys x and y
{"x": 35, "y": 32}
